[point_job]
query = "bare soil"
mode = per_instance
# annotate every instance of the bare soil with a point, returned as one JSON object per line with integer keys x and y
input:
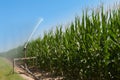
{"x": 23, "y": 74}
{"x": 40, "y": 74}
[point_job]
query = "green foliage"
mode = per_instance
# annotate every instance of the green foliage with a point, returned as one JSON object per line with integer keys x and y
{"x": 6, "y": 71}
{"x": 88, "y": 49}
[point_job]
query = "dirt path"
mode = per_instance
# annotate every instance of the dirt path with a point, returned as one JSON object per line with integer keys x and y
{"x": 19, "y": 71}
{"x": 26, "y": 76}
{"x": 23, "y": 74}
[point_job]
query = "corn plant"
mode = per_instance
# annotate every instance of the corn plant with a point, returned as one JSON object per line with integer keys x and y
{"x": 87, "y": 50}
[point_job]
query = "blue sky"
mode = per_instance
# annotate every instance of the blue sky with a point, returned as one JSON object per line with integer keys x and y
{"x": 19, "y": 17}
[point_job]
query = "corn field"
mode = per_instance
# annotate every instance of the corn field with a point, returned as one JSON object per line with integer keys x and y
{"x": 88, "y": 49}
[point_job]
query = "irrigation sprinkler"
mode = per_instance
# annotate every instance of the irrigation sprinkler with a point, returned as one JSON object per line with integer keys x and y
{"x": 32, "y": 33}
{"x": 25, "y": 47}
{"x": 36, "y": 27}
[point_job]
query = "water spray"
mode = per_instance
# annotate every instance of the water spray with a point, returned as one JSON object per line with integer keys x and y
{"x": 36, "y": 27}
